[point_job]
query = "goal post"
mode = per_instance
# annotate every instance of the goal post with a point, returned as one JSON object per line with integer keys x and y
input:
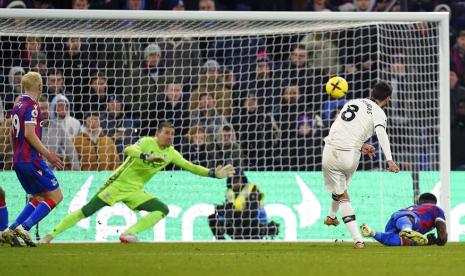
{"x": 264, "y": 72}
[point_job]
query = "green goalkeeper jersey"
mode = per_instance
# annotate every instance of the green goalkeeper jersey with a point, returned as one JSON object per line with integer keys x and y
{"x": 134, "y": 173}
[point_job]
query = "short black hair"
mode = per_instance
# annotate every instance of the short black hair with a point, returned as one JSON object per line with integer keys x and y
{"x": 239, "y": 177}
{"x": 92, "y": 114}
{"x": 164, "y": 124}
{"x": 427, "y": 198}
{"x": 381, "y": 91}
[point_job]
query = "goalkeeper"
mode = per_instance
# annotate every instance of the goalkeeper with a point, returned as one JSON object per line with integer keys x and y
{"x": 144, "y": 159}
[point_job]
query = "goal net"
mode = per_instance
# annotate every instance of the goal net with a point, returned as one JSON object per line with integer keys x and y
{"x": 246, "y": 92}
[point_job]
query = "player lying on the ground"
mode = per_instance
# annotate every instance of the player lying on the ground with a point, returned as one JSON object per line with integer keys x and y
{"x": 407, "y": 226}
{"x": 242, "y": 216}
{"x": 144, "y": 159}
{"x": 33, "y": 173}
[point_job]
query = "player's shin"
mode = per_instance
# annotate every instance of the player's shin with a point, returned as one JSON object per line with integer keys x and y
{"x": 333, "y": 206}
{"x": 348, "y": 216}
{"x": 390, "y": 239}
{"x": 25, "y": 214}
{"x": 39, "y": 213}
{"x": 69, "y": 221}
{"x": 145, "y": 222}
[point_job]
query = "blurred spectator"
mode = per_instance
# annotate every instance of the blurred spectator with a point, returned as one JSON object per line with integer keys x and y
{"x": 205, "y": 115}
{"x": 60, "y": 112}
{"x": 255, "y": 133}
{"x": 458, "y": 138}
{"x": 12, "y": 89}
{"x": 42, "y": 4}
{"x": 39, "y": 65}
{"x": 262, "y": 83}
{"x": 56, "y": 139}
{"x": 194, "y": 146}
{"x": 181, "y": 57}
{"x": 225, "y": 149}
{"x": 96, "y": 99}
{"x": 207, "y": 5}
{"x": 80, "y": 4}
{"x": 297, "y": 67}
{"x": 117, "y": 125}
{"x": 141, "y": 86}
{"x": 76, "y": 62}
{"x": 238, "y": 53}
{"x": 325, "y": 56}
{"x": 358, "y": 6}
{"x": 286, "y": 113}
{"x": 176, "y": 5}
{"x": 358, "y": 52}
{"x": 55, "y": 85}
{"x": 141, "y": 4}
{"x": 457, "y": 93}
{"x": 96, "y": 151}
{"x": 32, "y": 51}
{"x": 212, "y": 82}
{"x": 319, "y": 5}
{"x": 169, "y": 105}
{"x": 15, "y": 4}
{"x": 6, "y": 149}
{"x": 458, "y": 56}
{"x": 302, "y": 151}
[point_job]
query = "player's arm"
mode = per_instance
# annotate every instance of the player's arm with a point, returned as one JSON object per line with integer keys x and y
{"x": 441, "y": 229}
{"x": 380, "y": 130}
{"x": 136, "y": 151}
{"x": 218, "y": 172}
{"x": 34, "y": 141}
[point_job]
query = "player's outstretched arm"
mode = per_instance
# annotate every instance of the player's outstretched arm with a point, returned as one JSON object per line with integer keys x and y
{"x": 218, "y": 172}
{"x": 33, "y": 140}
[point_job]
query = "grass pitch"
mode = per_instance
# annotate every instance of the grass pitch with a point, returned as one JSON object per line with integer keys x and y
{"x": 231, "y": 259}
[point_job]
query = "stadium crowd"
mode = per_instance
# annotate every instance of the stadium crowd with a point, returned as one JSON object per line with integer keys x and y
{"x": 256, "y": 102}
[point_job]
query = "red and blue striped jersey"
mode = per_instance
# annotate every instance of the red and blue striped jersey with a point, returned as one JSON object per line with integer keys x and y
{"x": 25, "y": 111}
{"x": 427, "y": 214}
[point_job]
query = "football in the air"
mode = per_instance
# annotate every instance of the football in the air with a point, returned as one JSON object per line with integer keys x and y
{"x": 337, "y": 87}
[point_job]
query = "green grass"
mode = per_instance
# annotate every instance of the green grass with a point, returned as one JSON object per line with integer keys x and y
{"x": 238, "y": 259}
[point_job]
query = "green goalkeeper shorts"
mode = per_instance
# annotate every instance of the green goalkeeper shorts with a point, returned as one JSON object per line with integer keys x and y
{"x": 111, "y": 195}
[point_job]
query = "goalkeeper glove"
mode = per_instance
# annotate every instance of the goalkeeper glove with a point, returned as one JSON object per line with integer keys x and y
{"x": 222, "y": 172}
{"x": 152, "y": 158}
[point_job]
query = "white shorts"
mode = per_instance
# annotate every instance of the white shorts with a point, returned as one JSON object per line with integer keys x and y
{"x": 338, "y": 167}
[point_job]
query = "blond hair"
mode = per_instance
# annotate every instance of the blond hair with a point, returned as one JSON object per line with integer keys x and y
{"x": 31, "y": 81}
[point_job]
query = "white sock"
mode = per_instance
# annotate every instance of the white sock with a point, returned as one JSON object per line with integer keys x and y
{"x": 346, "y": 211}
{"x": 333, "y": 208}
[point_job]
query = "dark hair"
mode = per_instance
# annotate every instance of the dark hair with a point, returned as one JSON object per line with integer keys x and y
{"x": 427, "y": 198}
{"x": 164, "y": 124}
{"x": 381, "y": 91}
{"x": 54, "y": 71}
{"x": 92, "y": 114}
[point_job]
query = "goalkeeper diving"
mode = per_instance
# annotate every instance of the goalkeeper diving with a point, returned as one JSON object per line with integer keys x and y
{"x": 144, "y": 159}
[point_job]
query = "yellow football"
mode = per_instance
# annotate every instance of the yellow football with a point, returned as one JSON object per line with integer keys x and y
{"x": 337, "y": 87}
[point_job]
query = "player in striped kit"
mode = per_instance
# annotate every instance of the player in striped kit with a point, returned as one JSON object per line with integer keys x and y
{"x": 33, "y": 173}
{"x": 407, "y": 226}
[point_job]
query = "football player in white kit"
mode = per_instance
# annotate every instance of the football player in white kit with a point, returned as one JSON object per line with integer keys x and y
{"x": 358, "y": 121}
